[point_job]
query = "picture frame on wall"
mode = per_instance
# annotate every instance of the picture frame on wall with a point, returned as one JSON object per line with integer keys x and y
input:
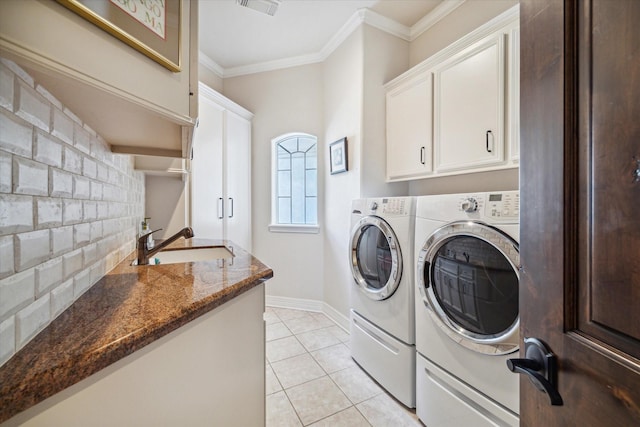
{"x": 152, "y": 27}
{"x": 338, "y": 158}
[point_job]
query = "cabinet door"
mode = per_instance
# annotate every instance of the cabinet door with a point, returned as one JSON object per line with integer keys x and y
{"x": 208, "y": 203}
{"x": 469, "y": 108}
{"x": 409, "y": 128}
{"x": 238, "y": 180}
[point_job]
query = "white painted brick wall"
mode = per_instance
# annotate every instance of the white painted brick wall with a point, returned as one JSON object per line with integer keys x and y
{"x": 48, "y": 212}
{"x": 6, "y": 172}
{"x": 32, "y": 319}
{"x": 30, "y": 177}
{"x": 6, "y": 88}
{"x": 7, "y": 338}
{"x": 32, "y": 248}
{"x": 6, "y": 256}
{"x": 47, "y": 150}
{"x": 33, "y": 107}
{"x": 61, "y": 297}
{"x": 69, "y": 208}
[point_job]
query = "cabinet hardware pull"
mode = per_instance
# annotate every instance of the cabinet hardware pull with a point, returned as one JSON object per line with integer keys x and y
{"x": 231, "y": 209}
{"x": 422, "y": 155}
{"x": 220, "y": 208}
{"x": 489, "y": 150}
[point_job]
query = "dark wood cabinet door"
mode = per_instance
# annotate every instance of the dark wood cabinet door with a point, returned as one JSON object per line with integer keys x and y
{"x": 580, "y": 207}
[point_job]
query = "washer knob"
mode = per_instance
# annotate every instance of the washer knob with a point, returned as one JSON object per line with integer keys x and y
{"x": 374, "y": 206}
{"x": 469, "y": 205}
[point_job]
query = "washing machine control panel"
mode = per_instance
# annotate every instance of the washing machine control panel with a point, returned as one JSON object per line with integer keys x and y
{"x": 497, "y": 206}
{"x": 502, "y": 205}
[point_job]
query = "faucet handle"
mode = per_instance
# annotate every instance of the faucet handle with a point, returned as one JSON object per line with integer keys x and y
{"x": 151, "y": 232}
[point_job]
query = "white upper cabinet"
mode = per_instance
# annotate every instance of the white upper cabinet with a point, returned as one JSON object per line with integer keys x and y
{"x": 136, "y": 104}
{"x": 457, "y": 111}
{"x": 469, "y": 107}
{"x": 409, "y": 127}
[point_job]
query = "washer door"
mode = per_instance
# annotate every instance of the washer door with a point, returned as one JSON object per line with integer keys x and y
{"x": 468, "y": 277}
{"x": 376, "y": 259}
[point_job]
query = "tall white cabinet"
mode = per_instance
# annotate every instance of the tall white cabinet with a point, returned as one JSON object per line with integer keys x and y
{"x": 221, "y": 170}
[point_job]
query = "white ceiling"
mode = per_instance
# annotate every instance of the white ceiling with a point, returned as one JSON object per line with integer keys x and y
{"x": 237, "y": 40}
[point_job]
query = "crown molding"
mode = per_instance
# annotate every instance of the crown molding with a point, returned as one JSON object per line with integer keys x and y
{"x": 361, "y": 16}
{"x": 278, "y": 64}
{"x": 433, "y": 17}
{"x": 385, "y": 24}
{"x": 210, "y": 64}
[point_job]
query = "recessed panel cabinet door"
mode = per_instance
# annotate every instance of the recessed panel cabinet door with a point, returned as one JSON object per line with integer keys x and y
{"x": 409, "y": 128}
{"x": 207, "y": 198}
{"x": 238, "y": 180}
{"x": 580, "y": 210}
{"x": 469, "y": 108}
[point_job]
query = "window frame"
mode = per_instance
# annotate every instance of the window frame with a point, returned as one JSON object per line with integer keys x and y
{"x": 274, "y": 226}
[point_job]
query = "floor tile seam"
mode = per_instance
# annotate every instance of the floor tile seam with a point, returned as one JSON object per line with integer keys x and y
{"x": 293, "y": 406}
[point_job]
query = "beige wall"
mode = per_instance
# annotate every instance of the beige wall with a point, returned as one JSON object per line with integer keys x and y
{"x": 464, "y": 19}
{"x": 283, "y": 101}
{"x": 166, "y": 204}
{"x": 210, "y": 78}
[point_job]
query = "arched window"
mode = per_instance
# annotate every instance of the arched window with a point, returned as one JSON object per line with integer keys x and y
{"x": 295, "y": 183}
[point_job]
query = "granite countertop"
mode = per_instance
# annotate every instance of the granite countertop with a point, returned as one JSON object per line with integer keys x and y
{"x": 130, "y": 307}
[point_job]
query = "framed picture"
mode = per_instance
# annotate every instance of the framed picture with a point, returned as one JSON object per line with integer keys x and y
{"x": 338, "y": 156}
{"x": 152, "y": 27}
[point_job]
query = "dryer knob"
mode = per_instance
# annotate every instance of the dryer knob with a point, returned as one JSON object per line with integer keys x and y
{"x": 469, "y": 205}
{"x": 374, "y": 206}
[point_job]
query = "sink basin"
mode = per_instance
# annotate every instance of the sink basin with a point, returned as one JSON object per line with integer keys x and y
{"x": 189, "y": 255}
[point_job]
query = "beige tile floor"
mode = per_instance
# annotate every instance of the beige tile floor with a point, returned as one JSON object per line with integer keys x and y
{"x": 312, "y": 380}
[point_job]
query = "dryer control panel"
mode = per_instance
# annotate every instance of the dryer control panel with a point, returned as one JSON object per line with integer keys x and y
{"x": 393, "y": 206}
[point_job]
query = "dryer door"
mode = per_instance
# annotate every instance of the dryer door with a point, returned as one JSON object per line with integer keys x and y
{"x": 376, "y": 259}
{"x": 468, "y": 277}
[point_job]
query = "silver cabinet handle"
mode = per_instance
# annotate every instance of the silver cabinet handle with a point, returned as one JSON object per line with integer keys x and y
{"x": 220, "y": 208}
{"x": 489, "y": 150}
{"x": 422, "y": 155}
{"x": 231, "y": 207}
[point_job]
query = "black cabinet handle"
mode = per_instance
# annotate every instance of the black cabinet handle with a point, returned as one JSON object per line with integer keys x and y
{"x": 489, "y": 150}
{"x": 540, "y": 366}
{"x": 231, "y": 209}
{"x": 422, "y": 155}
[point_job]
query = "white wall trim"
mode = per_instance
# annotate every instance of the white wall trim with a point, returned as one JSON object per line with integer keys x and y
{"x": 340, "y": 319}
{"x": 386, "y": 24}
{"x": 433, "y": 17}
{"x": 358, "y": 18}
{"x": 210, "y": 64}
{"x": 309, "y": 305}
{"x": 221, "y": 100}
{"x": 294, "y": 303}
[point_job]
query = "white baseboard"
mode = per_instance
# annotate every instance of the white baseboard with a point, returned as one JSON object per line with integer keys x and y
{"x": 309, "y": 305}
{"x": 295, "y": 303}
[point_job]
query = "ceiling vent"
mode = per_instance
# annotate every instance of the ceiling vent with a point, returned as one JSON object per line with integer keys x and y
{"x": 265, "y": 6}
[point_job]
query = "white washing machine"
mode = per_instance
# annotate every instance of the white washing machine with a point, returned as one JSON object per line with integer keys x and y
{"x": 467, "y": 318}
{"x": 382, "y": 292}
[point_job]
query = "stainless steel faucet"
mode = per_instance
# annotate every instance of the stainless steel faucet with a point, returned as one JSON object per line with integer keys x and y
{"x": 144, "y": 253}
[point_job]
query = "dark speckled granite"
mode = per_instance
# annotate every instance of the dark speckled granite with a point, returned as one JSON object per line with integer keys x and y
{"x": 127, "y": 309}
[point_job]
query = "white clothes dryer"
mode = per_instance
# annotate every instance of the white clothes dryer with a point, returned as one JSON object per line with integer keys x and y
{"x": 382, "y": 292}
{"x": 467, "y": 318}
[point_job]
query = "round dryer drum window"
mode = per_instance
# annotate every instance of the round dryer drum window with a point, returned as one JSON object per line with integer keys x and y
{"x": 469, "y": 277}
{"x": 376, "y": 260}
